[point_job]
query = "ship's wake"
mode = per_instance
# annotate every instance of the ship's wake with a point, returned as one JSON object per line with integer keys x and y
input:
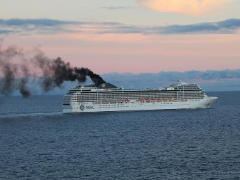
{"x": 33, "y": 114}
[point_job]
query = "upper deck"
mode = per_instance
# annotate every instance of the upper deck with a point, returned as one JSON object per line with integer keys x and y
{"x": 177, "y": 91}
{"x": 106, "y": 87}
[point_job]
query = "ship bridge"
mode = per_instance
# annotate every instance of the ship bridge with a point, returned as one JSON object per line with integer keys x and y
{"x": 182, "y": 86}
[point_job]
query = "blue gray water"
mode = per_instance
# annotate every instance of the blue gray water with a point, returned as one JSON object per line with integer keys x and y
{"x": 37, "y": 141}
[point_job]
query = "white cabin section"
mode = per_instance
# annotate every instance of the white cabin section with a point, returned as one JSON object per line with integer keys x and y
{"x": 107, "y": 98}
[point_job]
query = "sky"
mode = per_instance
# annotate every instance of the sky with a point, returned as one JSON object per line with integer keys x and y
{"x": 136, "y": 36}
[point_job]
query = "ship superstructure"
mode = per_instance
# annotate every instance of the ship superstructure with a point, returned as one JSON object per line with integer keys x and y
{"x": 107, "y": 97}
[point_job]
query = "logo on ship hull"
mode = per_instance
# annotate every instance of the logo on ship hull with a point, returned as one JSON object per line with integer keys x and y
{"x": 82, "y": 107}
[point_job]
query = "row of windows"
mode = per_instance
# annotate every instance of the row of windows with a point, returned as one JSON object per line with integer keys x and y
{"x": 119, "y": 98}
{"x": 179, "y": 88}
{"x": 139, "y": 93}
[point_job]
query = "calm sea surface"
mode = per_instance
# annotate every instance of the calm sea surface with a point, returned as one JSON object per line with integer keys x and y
{"x": 37, "y": 141}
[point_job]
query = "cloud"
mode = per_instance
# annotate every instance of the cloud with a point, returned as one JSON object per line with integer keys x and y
{"x": 10, "y": 26}
{"x": 6, "y": 31}
{"x": 36, "y": 22}
{"x": 227, "y": 27}
{"x": 186, "y": 7}
{"x": 211, "y": 80}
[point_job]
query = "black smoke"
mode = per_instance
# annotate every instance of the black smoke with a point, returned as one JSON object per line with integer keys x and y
{"x": 17, "y": 72}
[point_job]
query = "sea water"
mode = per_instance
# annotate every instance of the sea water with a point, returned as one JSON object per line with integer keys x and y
{"x": 38, "y": 141}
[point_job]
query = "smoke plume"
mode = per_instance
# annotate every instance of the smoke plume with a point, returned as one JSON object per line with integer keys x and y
{"x": 17, "y": 71}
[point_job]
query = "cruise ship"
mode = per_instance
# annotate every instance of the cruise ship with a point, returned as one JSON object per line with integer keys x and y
{"x": 107, "y": 97}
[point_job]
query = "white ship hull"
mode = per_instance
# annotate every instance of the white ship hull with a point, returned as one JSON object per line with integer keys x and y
{"x": 80, "y": 107}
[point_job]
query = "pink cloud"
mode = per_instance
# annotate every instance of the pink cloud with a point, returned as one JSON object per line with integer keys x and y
{"x": 187, "y": 7}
